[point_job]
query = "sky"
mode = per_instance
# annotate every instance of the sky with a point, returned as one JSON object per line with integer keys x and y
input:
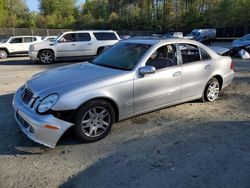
{"x": 34, "y": 6}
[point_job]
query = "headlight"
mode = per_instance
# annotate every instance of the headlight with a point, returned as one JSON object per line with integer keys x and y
{"x": 47, "y": 103}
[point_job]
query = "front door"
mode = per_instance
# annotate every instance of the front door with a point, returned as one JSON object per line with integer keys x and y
{"x": 163, "y": 86}
{"x": 16, "y": 45}
{"x": 67, "y": 45}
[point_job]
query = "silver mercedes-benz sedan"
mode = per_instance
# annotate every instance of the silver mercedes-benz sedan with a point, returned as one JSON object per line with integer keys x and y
{"x": 133, "y": 77}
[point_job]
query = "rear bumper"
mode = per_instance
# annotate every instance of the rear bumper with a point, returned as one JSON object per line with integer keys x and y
{"x": 33, "y": 56}
{"x": 227, "y": 79}
{"x": 33, "y": 124}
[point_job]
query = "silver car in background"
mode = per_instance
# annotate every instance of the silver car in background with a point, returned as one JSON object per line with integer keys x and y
{"x": 133, "y": 77}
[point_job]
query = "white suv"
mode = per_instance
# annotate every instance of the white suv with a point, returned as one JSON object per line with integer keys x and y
{"x": 73, "y": 44}
{"x": 17, "y": 45}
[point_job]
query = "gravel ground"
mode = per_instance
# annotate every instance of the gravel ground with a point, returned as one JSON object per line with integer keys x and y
{"x": 190, "y": 145}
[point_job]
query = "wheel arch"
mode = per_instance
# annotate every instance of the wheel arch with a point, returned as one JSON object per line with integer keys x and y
{"x": 220, "y": 79}
{"x": 5, "y": 49}
{"x": 99, "y": 50}
{"x": 39, "y": 51}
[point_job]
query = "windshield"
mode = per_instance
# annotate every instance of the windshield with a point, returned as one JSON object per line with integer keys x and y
{"x": 122, "y": 56}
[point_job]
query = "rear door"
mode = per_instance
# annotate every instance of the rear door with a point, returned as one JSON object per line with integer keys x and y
{"x": 27, "y": 41}
{"x": 197, "y": 66}
{"x": 85, "y": 46}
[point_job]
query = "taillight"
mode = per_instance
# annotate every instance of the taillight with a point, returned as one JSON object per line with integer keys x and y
{"x": 232, "y": 65}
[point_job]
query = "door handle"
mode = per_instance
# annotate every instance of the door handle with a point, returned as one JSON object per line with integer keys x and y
{"x": 207, "y": 66}
{"x": 177, "y": 74}
{"x": 73, "y": 44}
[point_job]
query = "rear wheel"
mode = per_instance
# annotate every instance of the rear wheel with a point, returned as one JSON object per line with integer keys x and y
{"x": 94, "y": 120}
{"x": 46, "y": 57}
{"x": 212, "y": 90}
{"x": 3, "y": 54}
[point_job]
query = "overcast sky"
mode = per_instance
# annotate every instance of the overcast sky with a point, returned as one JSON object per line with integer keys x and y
{"x": 33, "y": 4}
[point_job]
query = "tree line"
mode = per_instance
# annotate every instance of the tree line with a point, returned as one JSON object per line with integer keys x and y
{"x": 126, "y": 14}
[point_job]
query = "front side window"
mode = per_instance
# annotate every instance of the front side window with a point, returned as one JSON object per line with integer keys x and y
{"x": 190, "y": 53}
{"x": 84, "y": 37}
{"x": 70, "y": 37}
{"x": 27, "y": 39}
{"x": 122, "y": 56}
{"x": 163, "y": 57}
{"x": 105, "y": 36}
{"x": 16, "y": 40}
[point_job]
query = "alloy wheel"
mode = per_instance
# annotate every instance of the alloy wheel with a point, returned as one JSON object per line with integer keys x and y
{"x": 95, "y": 121}
{"x": 213, "y": 91}
{"x": 3, "y": 54}
{"x": 47, "y": 57}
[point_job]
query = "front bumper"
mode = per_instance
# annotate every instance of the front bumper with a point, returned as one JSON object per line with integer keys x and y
{"x": 33, "y": 56}
{"x": 33, "y": 124}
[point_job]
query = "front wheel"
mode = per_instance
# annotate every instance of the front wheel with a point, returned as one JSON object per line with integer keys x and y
{"x": 94, "y": 120}
{"x": 46, "y": 57}
{"x": 3, "y": 54}
{"x": 212, "y": 90}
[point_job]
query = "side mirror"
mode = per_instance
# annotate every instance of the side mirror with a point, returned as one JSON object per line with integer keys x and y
{"x": 147, "y": 70}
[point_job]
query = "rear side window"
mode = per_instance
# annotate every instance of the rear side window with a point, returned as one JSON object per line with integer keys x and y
{"x": 16, "y": 40}
{"x": 27, "y": 39}
{"x": 84, "y": 37}
{"x": 190, "y": 53}
{"x": 105, "y": 36}
{"x": 204, "y": 55}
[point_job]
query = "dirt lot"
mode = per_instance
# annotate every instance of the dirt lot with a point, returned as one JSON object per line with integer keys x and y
{"x": 190, "y": 145}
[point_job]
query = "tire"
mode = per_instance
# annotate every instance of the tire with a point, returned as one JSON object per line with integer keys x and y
{"x": 46, "y": 57}
{"x": 93, "y": 121}
{"x": 3, "y": 54}
{"x": 212, "y": 90}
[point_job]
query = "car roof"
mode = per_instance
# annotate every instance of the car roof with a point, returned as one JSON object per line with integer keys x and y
{"x": 27, "y": 36}
{"x": 153, "y": 41}
{"x": 96, "y": 31}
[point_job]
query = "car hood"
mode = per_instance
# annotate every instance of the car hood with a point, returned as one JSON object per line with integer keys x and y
{"x": 65, "y": 78}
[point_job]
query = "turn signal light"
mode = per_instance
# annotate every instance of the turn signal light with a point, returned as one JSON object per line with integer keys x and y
{"x": 51, "y": 127}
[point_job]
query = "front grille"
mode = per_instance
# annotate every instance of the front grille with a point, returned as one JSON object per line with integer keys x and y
{"x": 27, "y": 96}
